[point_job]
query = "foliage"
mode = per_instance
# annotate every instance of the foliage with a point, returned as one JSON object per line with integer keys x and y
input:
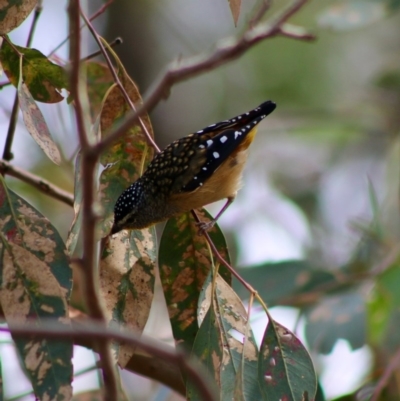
{"x": 208, "y": 310}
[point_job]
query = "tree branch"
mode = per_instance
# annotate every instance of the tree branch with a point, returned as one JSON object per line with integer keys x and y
{"x": 183, "y": 69}
{"x": 40, "y": 183}
{"x": 89, "y": 160}
{"x": 117, "y": 80}
{"x": 387, "y": 374}
{"x": 94, "y": 330}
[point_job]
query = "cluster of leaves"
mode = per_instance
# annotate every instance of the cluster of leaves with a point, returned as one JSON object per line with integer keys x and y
{"x": 208, "y": 318}
{"x": 205, "y": 312}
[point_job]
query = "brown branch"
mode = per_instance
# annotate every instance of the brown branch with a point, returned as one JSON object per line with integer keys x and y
{"x": 387, "y": 374}
{"x": 94, "y": 330}
{"x": 226, "y": 50}
{"x": 89, "y": 161}
{"x": 41, "y": 184}
{"x": 118, "y": 82}
{"x": 145, "y": 364}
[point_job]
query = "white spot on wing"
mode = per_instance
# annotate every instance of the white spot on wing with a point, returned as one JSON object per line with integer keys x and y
{"x": 237, "y": 133}
{"x": 209, "y": 142}
{"x": 224, "y": 139}
{"x": 216, "y": 155}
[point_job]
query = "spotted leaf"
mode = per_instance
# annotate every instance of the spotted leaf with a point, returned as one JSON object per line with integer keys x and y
{"x": 36, "y": 283}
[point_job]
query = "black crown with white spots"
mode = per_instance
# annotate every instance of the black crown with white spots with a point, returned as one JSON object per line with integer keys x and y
{"x": 183, "y": 166}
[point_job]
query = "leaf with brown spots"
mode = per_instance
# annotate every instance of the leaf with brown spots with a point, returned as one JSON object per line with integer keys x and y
{"x": 125, "y": 160}
{"x": 127, "y": 282}
{"x": 98, "y": 80}
{"x": 13, "y": 13}
{"x": 185, "y": 263}
{"x": 285, "y": 369}
{"x": 36, "y": 284}
{"x": 36, "y": 124}
{"x": 232, "y": 317}
{"x": 235, "y": 9}
{"x": 208, "y": 348}
{"x": 44, "y": 79}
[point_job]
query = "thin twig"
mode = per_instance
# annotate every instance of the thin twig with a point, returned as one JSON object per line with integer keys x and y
{"x": 7, "y": 154}
{"x": 41, "y": 184}
{"x": 100, "y": 11}
{"x": 115, "y": 42}
{"x": 118, "y": 81}
{"x": 221, "y": 258}
{"x": 387, "y": 374}
{"x": 94, "y": 330}
{"x": 89, "y": 259}
{"x": 226, "y": 50}
{"x": 265, "y": 6}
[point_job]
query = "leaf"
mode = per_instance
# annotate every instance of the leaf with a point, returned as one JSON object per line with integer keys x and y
{"x": 13, "y": 13}
{"x": 285, "y": 369}
{"x": 35, "y": 123}
{"x": 127, "y": 282}
{"x": 383, "y": 301}
{"x": 237, "y": 350}
{"x": 43, "y": 78}
{"x": 36, "y": 283}
{"x": 125, "y": 161}
{"x": 286, "y": 283}
{"x": 91, "y": 395}
{"x": 184, "y": 262}
{"x": 73, "y": 233}
{"x": 96, "y": 395}
{"x": 347, "y": 15}
{"x": 235, "y": 9}
{"x": 341, "y": 315}
{"x": 208, "y": 348}
{"x": 98, "y": 80}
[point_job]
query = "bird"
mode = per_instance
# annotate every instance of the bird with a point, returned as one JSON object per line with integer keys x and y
{"x": 191, "y": 172}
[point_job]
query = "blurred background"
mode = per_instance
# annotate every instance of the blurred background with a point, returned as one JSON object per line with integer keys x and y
{"x": 322, "y": 181}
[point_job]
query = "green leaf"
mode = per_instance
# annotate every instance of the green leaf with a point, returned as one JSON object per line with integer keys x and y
{"x": 184, "y": 261}
{"x": 127, "y": 279}
{"x": 342, "y": 315}
{"x": 208, "y": 348}
{"x": 43, "y": 78}
{"x": 285, "y": 370}
{"x": 283, "y": 283}
{"x": 382, "y": 304}
{"x": 98, "y": 80}
{"x": 35, "y": 284}
{"x": 240, "y": 355}
{"x": 347, "y": 15}
{"x": 13, "y": 13}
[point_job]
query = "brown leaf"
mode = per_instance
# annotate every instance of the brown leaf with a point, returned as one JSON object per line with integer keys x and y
{"x": 13, "y": 13}
{"x": 235, "y": 9}
{"x": 36, "y": 124}
{"x": 127, "y": 283}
